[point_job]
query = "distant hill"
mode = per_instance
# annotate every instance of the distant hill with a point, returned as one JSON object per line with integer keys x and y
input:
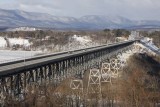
{"x": 17, "y": 18}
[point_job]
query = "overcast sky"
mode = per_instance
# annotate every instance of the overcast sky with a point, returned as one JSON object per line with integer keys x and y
{"x": 133, "y": 9}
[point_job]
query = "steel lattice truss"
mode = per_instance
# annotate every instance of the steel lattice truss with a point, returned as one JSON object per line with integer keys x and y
{"x": 94, "y": 82}
{"x": 106, "y": 73}
{"x": 77, "y": 85}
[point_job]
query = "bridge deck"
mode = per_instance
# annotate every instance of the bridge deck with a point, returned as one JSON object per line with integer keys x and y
{"x": 15, "y": 67}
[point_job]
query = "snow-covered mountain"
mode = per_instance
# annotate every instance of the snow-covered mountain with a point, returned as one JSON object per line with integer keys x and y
{"x": 106, "y": 21}
{"x": 17, "y": 18}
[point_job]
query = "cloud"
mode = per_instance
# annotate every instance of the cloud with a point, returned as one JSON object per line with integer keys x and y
{"x": 134, "y": 9}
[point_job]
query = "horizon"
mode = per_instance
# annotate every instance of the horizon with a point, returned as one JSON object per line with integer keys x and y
{"x": 133, "y": 10}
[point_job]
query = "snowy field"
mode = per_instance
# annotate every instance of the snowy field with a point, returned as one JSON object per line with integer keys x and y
{"x": 11, "y": 55}
{"x": 8, "y": 55}
{"x": 13, "y": 41}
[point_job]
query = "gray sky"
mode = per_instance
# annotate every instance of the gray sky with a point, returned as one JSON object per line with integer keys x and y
{"x": 132, "y": 9}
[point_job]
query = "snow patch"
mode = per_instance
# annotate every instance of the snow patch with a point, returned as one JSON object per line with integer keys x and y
{"x": 19, "y": 41}
{"x": 23, "y": 29}
{"x": 3, "y": 42}
{"x": 149, "y": 42}
{"x": 9, "y": 55}
{"x": 14, "y": 41}
{"x": 81, "y": 39}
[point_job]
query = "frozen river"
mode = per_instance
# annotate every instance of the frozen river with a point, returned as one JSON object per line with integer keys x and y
{"x": 8, "y": 55}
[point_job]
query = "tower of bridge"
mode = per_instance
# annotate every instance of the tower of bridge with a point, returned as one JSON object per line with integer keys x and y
{"x": 94, "y": 82}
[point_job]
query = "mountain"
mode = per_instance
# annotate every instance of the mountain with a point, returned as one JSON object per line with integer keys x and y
{"x": 18, "y": 18}
{"x": 106, "y": 21}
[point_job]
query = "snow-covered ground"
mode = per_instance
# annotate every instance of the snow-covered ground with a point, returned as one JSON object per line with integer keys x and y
{"x": 75, "y": 42}
{"x": 3, "y": 42}
{"x": 143, "y": 48}
{"x": 149, "y": 42}
{"x": 19, "y": 41}
{"x": 14, "y": 41}
{"x": 9, "y": 55}
{"x": 79, "y": 42}
{"x": 22, "y": 29}
{"x": 82, "y": 39}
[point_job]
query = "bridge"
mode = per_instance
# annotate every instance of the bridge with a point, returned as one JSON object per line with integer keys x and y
{"x": 53, "y": 68}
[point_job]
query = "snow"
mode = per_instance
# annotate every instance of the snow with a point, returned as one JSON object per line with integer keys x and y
{"x": 76, "y": 42}
{"x": 20, "y": 41}
{"x": 22, "y": 29}
{"x": 9, "y": 55}
{"x": 14, "y": 41}
{"x": 133, "y": 35}
{"x": 149, "y": 43}
{"x": 3, "y": 42}
{"x": 121, "y": 38}
{"x": 146, "y": 39}
{"x": 79, "y": 42}
{"x": 125, "y": 56}
{"x": 81, "y": 39}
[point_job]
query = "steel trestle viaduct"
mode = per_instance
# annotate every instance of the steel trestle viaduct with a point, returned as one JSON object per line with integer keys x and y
{"x": 53, "y": 68}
